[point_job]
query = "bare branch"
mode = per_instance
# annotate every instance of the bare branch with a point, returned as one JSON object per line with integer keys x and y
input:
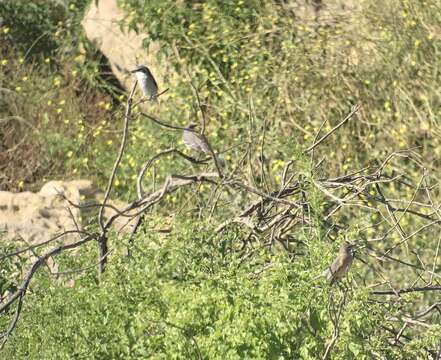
{"x": 20, "y": 293}
{"x": 407, "y": 290}
{"x": 334, "y": 129}
{"x": 102, "y": 241}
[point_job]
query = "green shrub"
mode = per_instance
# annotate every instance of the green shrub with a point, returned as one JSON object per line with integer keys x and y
{"x": 181, "y": 297}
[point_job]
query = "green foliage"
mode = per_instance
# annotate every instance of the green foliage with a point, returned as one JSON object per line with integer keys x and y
{"x": 183, "y": 295}
{"x": 37, "y": 27}
{"x": 29, "y": 22}
{"x": 52, "y": 104}
{"x": 298, "y": 74}
{"x": 181, "y": 22}
{"x": 10, "y": 271}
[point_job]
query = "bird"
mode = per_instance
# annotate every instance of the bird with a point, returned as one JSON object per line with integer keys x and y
{"x": 147, "y": 82}
{"x": 341, "y": 264}
{"x": 194, "y": 140}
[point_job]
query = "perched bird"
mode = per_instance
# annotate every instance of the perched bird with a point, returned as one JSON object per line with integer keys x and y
{"x": 194, "y": 140}
{"x": 198, "y": 142}
{"x": 146, "y": 82}
{"x": 340, "y": 266}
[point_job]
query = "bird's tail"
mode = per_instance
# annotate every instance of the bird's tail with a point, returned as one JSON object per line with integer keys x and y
{"x": 326, "y": 274}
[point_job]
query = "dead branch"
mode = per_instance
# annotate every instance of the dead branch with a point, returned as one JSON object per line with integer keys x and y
{"x": 335, "y": 312}
{"x": 102, "y": 241}
{"x": 20, "y": 293}
{"x": 334, "y": 129}
{"x": 407, "y": 290}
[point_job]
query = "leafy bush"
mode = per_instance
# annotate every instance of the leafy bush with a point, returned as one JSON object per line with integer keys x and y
{"x": 52, "y": 103}
{"x": 185, "y": 297}
{"x": 34, "y": 28}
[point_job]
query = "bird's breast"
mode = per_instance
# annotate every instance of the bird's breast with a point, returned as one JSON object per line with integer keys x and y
{"x": 147, "y": 84}
{"x": 142, "y": 79}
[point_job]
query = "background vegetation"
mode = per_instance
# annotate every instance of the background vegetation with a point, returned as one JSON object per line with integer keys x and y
{"x": 268, "y": 78}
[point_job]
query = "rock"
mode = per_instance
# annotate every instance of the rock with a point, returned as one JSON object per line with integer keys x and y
{"x": 122, "y": 224}
{"x": 28, "y": 218}
{"x": 123, "y": 49}
{"x": 33, "y": 218}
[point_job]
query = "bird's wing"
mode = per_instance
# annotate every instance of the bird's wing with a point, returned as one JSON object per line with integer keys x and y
{"x": 152, "y": 77}
{"x": 195, "y": 141}
{"x": 204, "y": 144}
{"x": 336, "y": 266}
{"x": 191, "y": 140}
{"x": 325, "y": 274}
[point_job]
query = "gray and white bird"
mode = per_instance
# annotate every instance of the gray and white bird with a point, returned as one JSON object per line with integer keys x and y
{"x": 195, "y": 140}
{"x": 341, "y": 264}
{"x": 147, "y": 82}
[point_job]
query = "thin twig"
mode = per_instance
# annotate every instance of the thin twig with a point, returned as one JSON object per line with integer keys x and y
{"x": 334, "y": 129}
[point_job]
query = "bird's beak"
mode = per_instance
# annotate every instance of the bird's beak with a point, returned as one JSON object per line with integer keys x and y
{"x": 134, "y": 71}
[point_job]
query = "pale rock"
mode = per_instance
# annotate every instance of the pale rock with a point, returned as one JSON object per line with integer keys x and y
{"x": 33, "y": 218}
